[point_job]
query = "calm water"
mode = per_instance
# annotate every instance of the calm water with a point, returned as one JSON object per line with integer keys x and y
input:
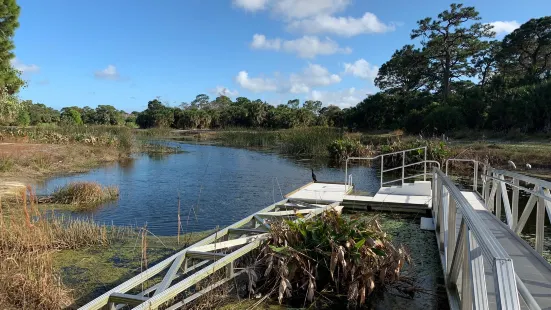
{"x": 222, "y": 184}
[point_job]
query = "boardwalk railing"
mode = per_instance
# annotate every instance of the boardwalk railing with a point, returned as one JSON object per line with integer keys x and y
{"x": 496, "y": 184}
{"x": 405, "y": 154}
{"x": 148, "y": 290}
{"x": 465, "y": 252}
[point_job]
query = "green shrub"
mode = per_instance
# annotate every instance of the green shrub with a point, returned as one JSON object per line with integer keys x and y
{"x": 342, "y": 148}
{"x": 444, "y": 118}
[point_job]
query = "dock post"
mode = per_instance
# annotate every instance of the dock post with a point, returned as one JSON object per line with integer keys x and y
{"x": 403, "y": 166}
{"x": 425, "y": 175}
{"x": 515, "y": 202}
{"x": 540, "y": 221}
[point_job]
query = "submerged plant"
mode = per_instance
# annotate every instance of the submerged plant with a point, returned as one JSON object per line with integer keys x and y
{"x": 332, "y": 254}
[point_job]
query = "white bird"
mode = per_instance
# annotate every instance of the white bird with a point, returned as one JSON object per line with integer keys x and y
{"x": 528, "y": 166}
{"x": 512, "y": 164}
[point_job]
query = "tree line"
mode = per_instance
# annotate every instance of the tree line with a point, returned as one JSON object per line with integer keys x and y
{"x": 452, "y": 75}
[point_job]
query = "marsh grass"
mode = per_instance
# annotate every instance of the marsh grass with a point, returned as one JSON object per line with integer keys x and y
{"x": 85, "y": 193}
{"x": 302, "y": 142}
{"x": 28, "y": 238}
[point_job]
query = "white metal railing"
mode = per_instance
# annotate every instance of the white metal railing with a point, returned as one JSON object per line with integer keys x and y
{"x": 195, "y": 263}
{"x": 402, "y": 167}
{"x": 494, "y": 192}
{"x": 464, "y": 253}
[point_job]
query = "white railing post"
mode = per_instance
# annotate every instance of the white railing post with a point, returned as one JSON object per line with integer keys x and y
{"x": 466, "y": 276}
{"x": 382, "y": 168}
{"x": 540, "y": 221}
{"x": 475, "y": 181}
{"x": 403, "y": 166}
{"x": 498, "y": 198}
{"x": 515, "y": 202}
{"x": 345, "y": 172}
{"x": 450, "y": 249}
{"x": 425, "y": 174}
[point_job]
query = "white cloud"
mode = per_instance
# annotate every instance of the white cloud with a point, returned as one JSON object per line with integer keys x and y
{"x": 290, "y": 9}
{"x": 109, "y": 73}
{"x": 224, "y": 91}
{"x": 308, "y": 8}
{"x": 305, "y": 47}
{"x": 24, "y": 68}
{"x": 251, "y": 5}
{"x": 260, "y": 42}
{"x": 343, "y": 26}
{"x": 255, "y": 84}
{"x": 343, "y": 98}
{"x": 504, "y": 27}
{"x": 312, "y": 76}
{"x": 362, "y": 69}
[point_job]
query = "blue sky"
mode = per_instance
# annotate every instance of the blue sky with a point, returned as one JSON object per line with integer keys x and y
{"x": 127, "y": 52}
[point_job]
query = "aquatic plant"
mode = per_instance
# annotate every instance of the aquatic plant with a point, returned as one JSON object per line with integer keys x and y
{"x": 84, "y": 193}
{"x": 342, "y": 148}
{"x": 330, "y": 254}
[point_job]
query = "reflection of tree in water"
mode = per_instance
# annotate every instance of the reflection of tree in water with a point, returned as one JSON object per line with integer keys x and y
{"x": 157, "y": 156}
{"x": 126, "y": 165}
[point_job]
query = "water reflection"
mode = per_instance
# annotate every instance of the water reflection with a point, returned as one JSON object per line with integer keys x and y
{"x": 217, "y": 186}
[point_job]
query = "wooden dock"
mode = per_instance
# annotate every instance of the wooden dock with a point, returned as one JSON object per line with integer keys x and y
{"x": 412, "y": 197}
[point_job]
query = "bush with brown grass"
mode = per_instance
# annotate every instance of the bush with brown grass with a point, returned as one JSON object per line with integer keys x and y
{"x": 85, "y": 193}
{"x": 333, "y": 256}
{"x": 27, "y": 239}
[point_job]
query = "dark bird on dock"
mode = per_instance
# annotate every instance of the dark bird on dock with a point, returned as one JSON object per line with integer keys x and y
{"x": 314, "y": 176}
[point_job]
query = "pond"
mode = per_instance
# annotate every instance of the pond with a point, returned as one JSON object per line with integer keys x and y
{"x": 217, "y": 186}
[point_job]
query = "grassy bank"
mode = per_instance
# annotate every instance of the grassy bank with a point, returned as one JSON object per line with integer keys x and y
{"x": 31, "y": 153}
{"x": 336, "y": 144}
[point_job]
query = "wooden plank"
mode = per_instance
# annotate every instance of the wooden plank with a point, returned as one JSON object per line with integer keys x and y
{"x": 204, "y": 255}
{"x": 127, "y": 299}
{"x": 227, "y": 244}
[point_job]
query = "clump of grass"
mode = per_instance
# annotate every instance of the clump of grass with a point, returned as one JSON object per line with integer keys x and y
{"x": 308, "y": 141}
{"x": 6, "y": 163}
{"x": 331, "y": 254}
{"x": 159, "y": 148}
{"x": 343, "y": 148}
{"x": 249, "y": 138}
{"x": 28, "y": 281}
{"x": 28, "y": 238}
{"x": 85, "y": 193}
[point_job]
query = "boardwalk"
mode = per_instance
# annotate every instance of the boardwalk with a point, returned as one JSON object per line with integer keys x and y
{"x": 486, "y": 265}
{"x": 530, "y": 267}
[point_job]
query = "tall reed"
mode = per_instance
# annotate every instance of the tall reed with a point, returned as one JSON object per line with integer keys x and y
{"x": 27, "y": 240}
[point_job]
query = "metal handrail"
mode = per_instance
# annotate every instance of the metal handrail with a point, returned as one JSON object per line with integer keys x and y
{"x": 457, "y": 249}
{"x": 403, "y": 166}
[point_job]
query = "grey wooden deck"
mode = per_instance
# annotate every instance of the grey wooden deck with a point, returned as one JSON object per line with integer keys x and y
{"x": 530, "y": 267}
